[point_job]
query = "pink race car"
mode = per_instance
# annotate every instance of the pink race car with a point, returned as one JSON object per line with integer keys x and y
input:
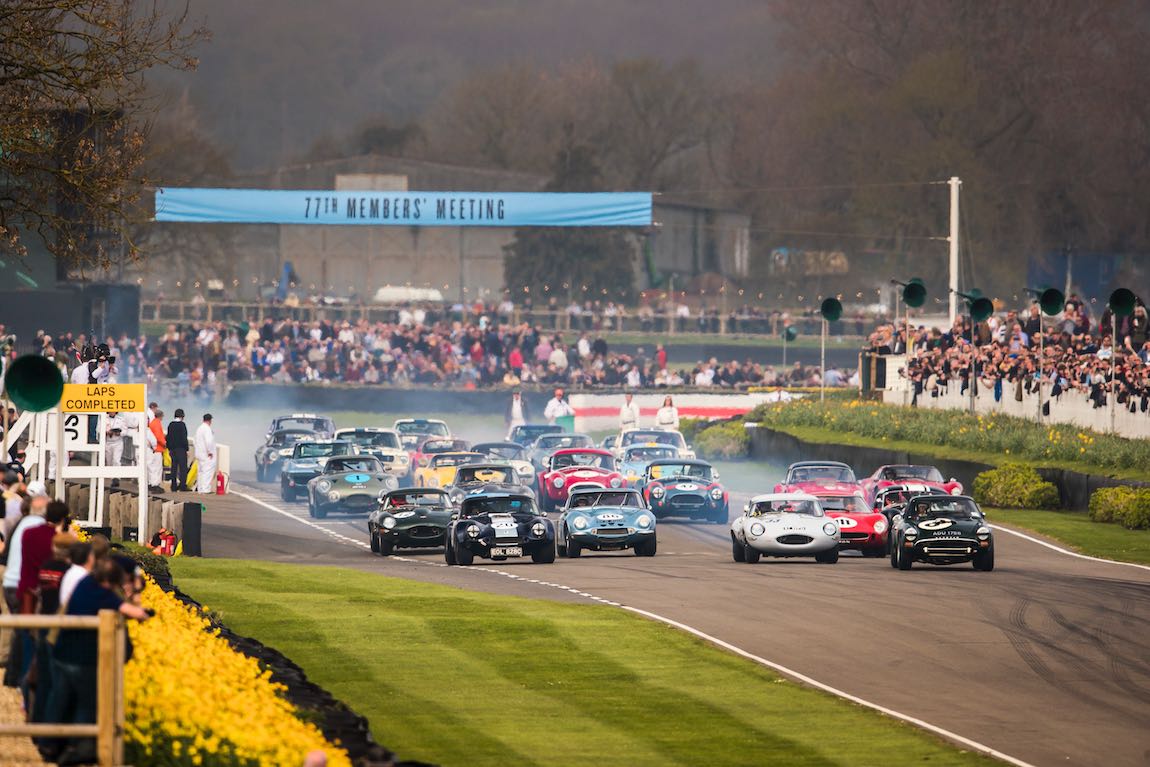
{"x": 860, "y": 527}
{"x": 819, "y": 478}
{"x": 575, "y": 466}
{"x": 901, "y": 474}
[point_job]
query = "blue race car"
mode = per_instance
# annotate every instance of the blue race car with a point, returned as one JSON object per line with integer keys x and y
{"x": 602, "y": 519}
{"x": 636, "y": 458}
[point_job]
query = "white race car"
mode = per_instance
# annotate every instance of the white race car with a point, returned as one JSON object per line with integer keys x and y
{"x": 784, "y": 525}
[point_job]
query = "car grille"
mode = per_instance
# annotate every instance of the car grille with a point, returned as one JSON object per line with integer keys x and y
{"x": 855, "y": 536}
{"x": 385, "y": 458}
{"x": 359, "y": 501}
{"x": 607, "y": 531}
{"x": 794, "y": 540}
{"x": 425, "y": 531}
{"x": 687, "y": 500}
{"x": 948, "y": 547}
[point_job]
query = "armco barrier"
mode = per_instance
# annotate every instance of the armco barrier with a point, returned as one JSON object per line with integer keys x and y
{"x": 1074, "y": 488}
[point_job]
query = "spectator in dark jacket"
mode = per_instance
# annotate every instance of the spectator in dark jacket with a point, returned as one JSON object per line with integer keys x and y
{"x": 177, "y": 439}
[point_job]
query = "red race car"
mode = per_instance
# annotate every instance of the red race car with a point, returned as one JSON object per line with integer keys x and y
{"x": 900, "y": 474}
{"x": 819, "y": 478}
{"x": 576, "y": 466}
{"x": 860, "y": 527}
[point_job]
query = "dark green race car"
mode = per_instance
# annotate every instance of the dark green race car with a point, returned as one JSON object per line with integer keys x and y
{"x": 348, "y": 483}
{"x": 941, "y": 529}
{"x": 411, "y": 518}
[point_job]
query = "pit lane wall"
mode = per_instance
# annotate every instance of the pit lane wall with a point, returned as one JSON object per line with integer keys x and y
{"x": 1074, "y": 488}
{"x": 1070, "y": 407}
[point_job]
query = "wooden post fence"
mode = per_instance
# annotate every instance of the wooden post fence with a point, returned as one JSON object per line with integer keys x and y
{"x": 109, "y": 727}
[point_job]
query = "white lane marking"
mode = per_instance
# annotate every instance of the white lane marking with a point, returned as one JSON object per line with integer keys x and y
{"x": 784, "y": 670}
{"x": 1068, "y": 552}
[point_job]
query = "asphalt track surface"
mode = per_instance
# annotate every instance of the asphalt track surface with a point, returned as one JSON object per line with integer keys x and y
{"x": 1046, "y": 659}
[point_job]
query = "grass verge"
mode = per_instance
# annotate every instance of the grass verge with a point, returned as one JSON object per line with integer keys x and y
{"x": 1096, "y": 539}
{"x": 458, "y": 677}
{"x": 827, "y": 436}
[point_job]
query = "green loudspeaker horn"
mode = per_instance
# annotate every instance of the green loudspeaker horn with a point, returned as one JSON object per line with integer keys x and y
{"x": 34, "y": 383}
{"x": 913, "y": 292}
{"x": 1051, "y": 301}
{"x": 789, "y": 333}
{"x": 1122, "y": 302}
{"x": 831, "y": 309}
{"x": 979, "y": 305}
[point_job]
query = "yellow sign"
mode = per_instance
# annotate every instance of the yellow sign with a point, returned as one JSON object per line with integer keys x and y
{"x": 103, "y": 398}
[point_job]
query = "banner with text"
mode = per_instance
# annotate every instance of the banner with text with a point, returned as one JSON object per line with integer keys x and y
{"x": 278, "y": 206}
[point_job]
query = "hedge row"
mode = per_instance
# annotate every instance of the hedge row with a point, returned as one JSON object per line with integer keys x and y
{"x": 1015, "y": 486}
{"x": 1126, "y": 506}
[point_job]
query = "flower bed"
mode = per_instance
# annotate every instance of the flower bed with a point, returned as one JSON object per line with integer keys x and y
{"x": 1012, "y": 438}
{"x": 190, "y": 699}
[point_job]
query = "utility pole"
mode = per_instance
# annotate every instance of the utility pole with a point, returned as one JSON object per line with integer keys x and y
{"x": 955, "y": 184}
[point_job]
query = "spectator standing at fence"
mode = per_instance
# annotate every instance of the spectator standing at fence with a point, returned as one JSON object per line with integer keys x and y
{"x": 668, "y": 416}
{"x": 177, "y": 441}
{"x": 517, "y": 413}
{"x": 205, "y": 456}
{"x": 73, "y": 698}
{"x": 628, "y": 413}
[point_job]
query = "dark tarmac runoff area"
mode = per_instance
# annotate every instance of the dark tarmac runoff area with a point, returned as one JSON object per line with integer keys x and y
{"x": 1046, "y": 659}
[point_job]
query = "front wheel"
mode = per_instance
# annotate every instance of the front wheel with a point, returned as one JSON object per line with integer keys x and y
{"x": 544, "y": 555}
{"x": 464, "y": 557}
{"x": 985, "y": 560}
{"x": 573, "y": 548}
{"x": 259, "y": 472}
{"x": 738, "y": 553}
{"x": 320, "y": 512}
{"x": 374, "y": 542}
{"x": 751, "y": 555}
{"x": 827, "y": 557}
{"x": 904, "y": 559}
{"x": 720, "y": 516}
{"x": 386, "y": 547}
{"x": 449, "y": 553}
{"x": 287, "y": 493}
{"x": 893, "y": 552}
{"x": 646, "y": 548}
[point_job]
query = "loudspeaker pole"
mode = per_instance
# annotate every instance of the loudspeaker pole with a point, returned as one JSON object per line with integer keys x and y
{"x": 823, "y": 363}
{"x": 955, "y": 184}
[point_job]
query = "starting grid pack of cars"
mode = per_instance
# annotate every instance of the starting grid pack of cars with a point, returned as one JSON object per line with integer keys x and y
{"x": 546, "y": 492}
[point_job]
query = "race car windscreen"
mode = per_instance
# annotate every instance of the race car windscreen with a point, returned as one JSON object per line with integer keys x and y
{"x": 364, "y": 464}
{"x": 423, "y": 500}
{"x": 700, "y": 472}
{"x": 321, "y": 449}
{"x": 285, "y": 438}
{"x": 424, "y": 428}
{"x": 506, "y": 452}
{"x": 439, "y": 445}
{"x": 954, "y": 508}
{"x": 531, "y": 432}
{"x": 501, "y": 505}
{"x": 560, "y": 441}
{"x": 809, "y": 508}
{"x": 374, "y": 439}
{"x": 673, "y": 438}
{"x": 499, "y": 474}
{"x": 823, "y": 473}
{"x": 851, "y": 504}
{"x": 590, "y": 460}
{"x": 309, "y": 424}
{"x": 607, "y": 498}
{"x": 648, "y": 453}
{"x": 443, "y": 460}
{"x": 925, "y": 473}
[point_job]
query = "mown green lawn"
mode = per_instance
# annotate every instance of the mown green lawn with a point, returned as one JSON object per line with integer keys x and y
{"x": 1097, "y": 539}
{"x": 820, "y": 435}
{"x": 464, "y": 678}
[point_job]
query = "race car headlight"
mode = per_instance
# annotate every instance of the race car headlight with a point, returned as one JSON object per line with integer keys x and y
{"x": 558, "y": 482}
{"x": 983, "y": 533}
{"x": 433, "y": 482}
{"x": 880, "y": 526}
{"x": 391, "y": 482}
{"x": 286, "y": 452}
{"x": 456, "y": 496}
{"x": 757, "y": 529}
{"x": 333, "y": 496}
{"x": 403, "y": 458}
{"x": 389, "y": 522}
{"x": 717, "y": 494}
{"x": 473, "y": 531}
{"x": 657, "y": 491}
{"x": 910, "y": 532}
{"x": 525, "y": 471}
{"x": 539, "y": 529}
{"x": 580, "y": 523}
{"x": 956, "y": 491}
{"x": 643, "y": 521}
{"x": 830, "y": 528}
{"x": 616, "y": 481}
{"x": 324, "y": 486}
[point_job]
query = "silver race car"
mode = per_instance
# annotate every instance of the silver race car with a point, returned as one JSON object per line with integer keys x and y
{"x": 784, "y": 525}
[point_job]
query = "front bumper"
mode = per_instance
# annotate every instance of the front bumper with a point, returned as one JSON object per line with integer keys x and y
{"x": 360, "y": 503}
{"x": 851, "y": 539}
{"x": 300, "y": 478}
{"x": 611, "y": 539}
{"x": 945, "y": 551}
{"x": 421, "y": 536}
{"x": 482, "y": 546}
{"x": 773, "y": 547}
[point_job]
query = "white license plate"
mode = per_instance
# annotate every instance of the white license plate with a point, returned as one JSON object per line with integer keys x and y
{"x": 506, "y": 551}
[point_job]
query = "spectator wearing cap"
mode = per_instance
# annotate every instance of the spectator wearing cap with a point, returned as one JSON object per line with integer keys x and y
{"x": 177, "y": 442}
{"x": 557, "y": 407}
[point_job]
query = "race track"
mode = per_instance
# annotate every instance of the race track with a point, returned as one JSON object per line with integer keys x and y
{"x": 1046, "y": 659}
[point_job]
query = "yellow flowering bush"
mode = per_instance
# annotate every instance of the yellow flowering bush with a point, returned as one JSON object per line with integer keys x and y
{"x": 190, "y": 699}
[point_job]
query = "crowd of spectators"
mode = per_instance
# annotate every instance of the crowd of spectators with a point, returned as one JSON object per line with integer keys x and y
{"x": 199, "y": 360}
{"x": 1013, "y": 353}
{"x": 48, "y": 570}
